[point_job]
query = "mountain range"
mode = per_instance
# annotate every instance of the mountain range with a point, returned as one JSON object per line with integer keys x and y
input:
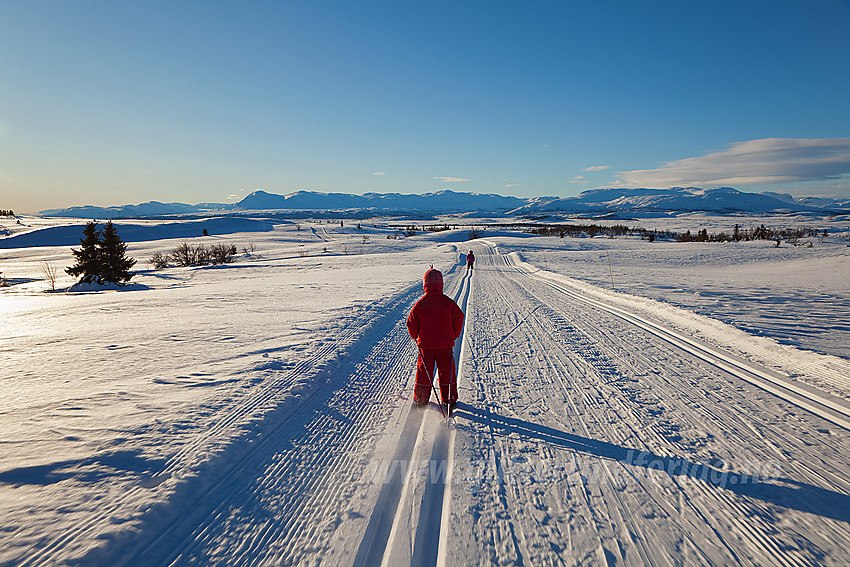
{"x": 593, "y": 202}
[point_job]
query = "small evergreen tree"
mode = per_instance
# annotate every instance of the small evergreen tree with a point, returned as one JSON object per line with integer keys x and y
{"x": 88, "y": 257}
{"x": 115, "y": 265}
{"x": 102, "y": 256}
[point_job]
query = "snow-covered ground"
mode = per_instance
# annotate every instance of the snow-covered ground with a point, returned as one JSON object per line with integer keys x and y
{"x": 795, "y": 294}
{"x": 259, "y": 412}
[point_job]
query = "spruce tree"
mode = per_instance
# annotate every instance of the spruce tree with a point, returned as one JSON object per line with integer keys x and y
{"x": 115, "y": 265}
{"x": 88, "y": 257}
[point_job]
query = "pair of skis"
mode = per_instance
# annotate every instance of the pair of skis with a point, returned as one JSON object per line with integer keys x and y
{"x": 446, "y": 411}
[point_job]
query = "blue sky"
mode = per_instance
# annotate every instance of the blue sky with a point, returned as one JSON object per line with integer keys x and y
{"x": 113, "y": 102}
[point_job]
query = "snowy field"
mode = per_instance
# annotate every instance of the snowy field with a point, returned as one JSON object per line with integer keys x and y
{"x": 259, "y": 412}
{"x": 795, "y": 294}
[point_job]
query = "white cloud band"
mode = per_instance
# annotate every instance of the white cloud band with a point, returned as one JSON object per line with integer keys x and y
{"x": 755, "y": 162}
{"x": 451, "y": 179}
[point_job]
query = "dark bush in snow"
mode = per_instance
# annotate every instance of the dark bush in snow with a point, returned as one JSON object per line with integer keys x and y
{"x": 158, "y": 261}
{"x": 186, "y": 255}
{"x": 200, "y": 255}
{"x": 222, "y": 253}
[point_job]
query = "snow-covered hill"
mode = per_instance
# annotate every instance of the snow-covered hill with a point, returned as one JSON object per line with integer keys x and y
{"x": 70, "y": 234}
{"x": 596, "y": 201}
{"x": 149, "y": 209}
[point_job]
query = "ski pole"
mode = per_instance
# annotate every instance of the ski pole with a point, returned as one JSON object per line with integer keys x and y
{"x": 452, "y": 382}
{"x": 431, "y": 380}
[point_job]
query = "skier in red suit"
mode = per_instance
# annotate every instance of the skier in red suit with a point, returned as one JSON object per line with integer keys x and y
{"x": 435, "y": 322}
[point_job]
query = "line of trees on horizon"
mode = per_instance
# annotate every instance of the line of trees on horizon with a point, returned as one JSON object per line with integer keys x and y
{"x": 758, "y": 233}
{"x": 737, "y": 235}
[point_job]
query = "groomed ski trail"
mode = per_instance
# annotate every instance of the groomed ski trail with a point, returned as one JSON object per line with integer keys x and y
{"x": 406, "y": 527}
{"x": 302, "y": 489}
{"x": 299, "y": 489}
{"x": 585, "y": 435}
{"x": 592, "y": 437}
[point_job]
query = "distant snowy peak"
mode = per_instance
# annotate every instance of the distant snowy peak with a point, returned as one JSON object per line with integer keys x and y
{"x": 686, "y": 199}
{"x": 149, "y": 209}
{"x": 596, "y": 201}
{"x": 441, "y": 201}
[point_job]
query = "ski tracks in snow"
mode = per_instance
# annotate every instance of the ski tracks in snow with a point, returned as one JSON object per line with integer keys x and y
{"x": 407, "y": 525}
{"x": 301, "y": 487}
{"x": 586, "y": 435}
{"x": 297, "y": 488}
{"x": 592, "y": 437}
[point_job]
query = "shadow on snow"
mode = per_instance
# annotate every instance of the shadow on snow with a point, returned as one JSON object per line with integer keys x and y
{"x": 782, "y": 492}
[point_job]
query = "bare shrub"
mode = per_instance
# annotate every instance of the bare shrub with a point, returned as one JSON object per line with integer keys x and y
{"x": 222, "y": 253}
{"x": 50, "y": 274}
{"x": 200, "y": 255}
{"x": 159, "y": 261}
{"x": 183, "y": 255}
{"x": 203, "y": 255}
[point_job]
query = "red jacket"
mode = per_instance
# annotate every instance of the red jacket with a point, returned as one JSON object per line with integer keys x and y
{"x": 435, "y": 321}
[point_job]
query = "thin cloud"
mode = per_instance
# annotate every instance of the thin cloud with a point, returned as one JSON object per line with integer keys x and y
{"x": 379, "y": 173}
{"x": 451, "y": 179}
{"x": 755, "y": 162}
{"x": 597, "y": 168}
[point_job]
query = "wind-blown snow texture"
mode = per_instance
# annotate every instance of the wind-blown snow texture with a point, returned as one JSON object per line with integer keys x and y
{"x": 260, "y": 412}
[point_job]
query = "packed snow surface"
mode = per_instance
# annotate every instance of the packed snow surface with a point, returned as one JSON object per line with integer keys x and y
{"x": 622, "y": 402}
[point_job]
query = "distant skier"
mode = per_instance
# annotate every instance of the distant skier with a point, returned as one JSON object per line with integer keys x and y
{"x": 435, "y": 322}
{"x": 470, "y": 260}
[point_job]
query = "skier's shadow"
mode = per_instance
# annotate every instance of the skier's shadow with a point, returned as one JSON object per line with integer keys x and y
{"x": 783, "y": 492}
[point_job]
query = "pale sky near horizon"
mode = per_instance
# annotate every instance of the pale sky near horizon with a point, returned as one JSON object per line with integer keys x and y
{"x": 110, "y": 102}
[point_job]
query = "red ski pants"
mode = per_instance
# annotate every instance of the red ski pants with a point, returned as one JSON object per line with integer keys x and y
{"x": 445, "y": 363}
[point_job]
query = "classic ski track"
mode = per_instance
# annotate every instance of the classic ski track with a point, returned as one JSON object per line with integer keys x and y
{"x": 262, "y": 398}
{"x": 309, "y": 493}
{"x": 309, "y": 488}
{"x": 324, "y": 237}
{"x": 709, "y": 506}
{"x": 432, "y": 498}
